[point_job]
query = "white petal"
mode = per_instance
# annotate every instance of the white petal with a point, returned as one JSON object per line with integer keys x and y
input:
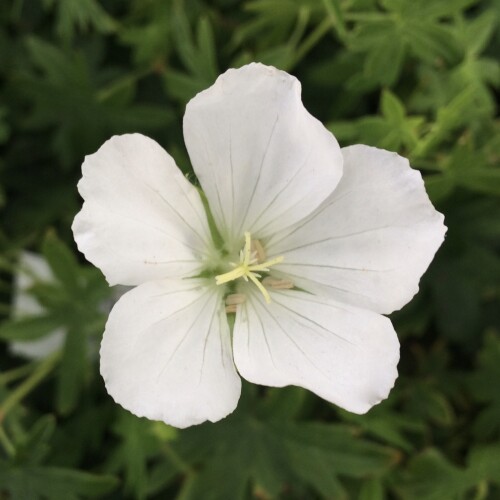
{"x": 371, "y": 240}
{"x": 166, "y": 353}
{"x": 263, "y": 161}
{"x": 141, "y": 220}
{"x": 32, "y": 267}
{"x": 346, "y": 355}
{"x": 40, "y": 348}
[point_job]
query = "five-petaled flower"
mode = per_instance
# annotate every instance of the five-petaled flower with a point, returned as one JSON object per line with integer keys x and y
{"x": 307, "y": 244}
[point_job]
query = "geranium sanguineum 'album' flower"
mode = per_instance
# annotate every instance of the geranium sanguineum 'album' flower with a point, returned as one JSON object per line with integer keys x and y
{"x": 307, "y": 244}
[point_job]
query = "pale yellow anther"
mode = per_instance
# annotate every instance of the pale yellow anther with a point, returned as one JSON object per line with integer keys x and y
{"x": 249, "y": 267}
{"x": 258, "y": 250}
{"x": 235, "y": 299}
{"x": 277, "y": 284}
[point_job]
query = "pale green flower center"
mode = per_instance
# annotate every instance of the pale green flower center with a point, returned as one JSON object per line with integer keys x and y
{"x": 250, "y": 266}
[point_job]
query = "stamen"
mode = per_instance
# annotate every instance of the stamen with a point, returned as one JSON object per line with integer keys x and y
{"x": 259, "y": 251}
{"x": 233, "y": 301}
{"x": 266, "y": 265}
{"x": 278, "y": 284}
{"x": 230, "y": 276}
{"x": 261, "y": 287}
{"x": 251, "y": 257}
{"x": 247, "y": 249}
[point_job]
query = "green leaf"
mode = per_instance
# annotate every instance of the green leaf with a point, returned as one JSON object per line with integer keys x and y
{"x": 148, "y": 34}
{"x": 487, "y": 424}
{"x": 430, "y": 42}
{"x": 372, "y": 489}
{"x": 57, "y": 66}
{"x": 216, "y": 481}
{"x": 430, "y": 476}
{"x": 137, "y": 443}
{"x": 181, "y": 86}
{"x": 456, "y": 301}
{"x": 284, "y": 403}
{"x": 4, "y": 128}
{"x": 271, "y": 454}
{"x": 198, "y": 56}
{"x": 384, "y": 62}
{"x": 435, "y": 406}
{"x": 392, "y": 107}
{"x": 51, "y": 296}
{"x": 309, "y": 465}
{"x": 438, "y": 186}
{"x": 54, "y": 483}
{"x": 390, "y": 427}
{"x": 488, "y": 369}
{"x": 206, "y": 44}
{"x": 73, "y": 15}
{"x": 479, "y": 31}
{"x": 34, "y": 447}
{"x": 72, "y": 371}
{"x": 62, "y": 262}
{"x": 29, "y": 328}
{"x": 439, "y": 8}
{"x": 484, "y": 463}
{"x": 449, "y": 118}
{"x": 345, "y": 453}
{"x": 480, "y": 179}
{"x": 334, "y": 11}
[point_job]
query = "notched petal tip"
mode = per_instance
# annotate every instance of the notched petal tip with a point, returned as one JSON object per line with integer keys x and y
{"x": 263, "y": 161}
{"x": 245, "y": 80}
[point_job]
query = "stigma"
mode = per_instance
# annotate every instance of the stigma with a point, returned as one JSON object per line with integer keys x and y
{"x": 250, "y": 266}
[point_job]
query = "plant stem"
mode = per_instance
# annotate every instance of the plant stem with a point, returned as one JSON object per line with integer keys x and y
{"x": 6, "y": 443}
{"x": 334, "y": 11}
{"x": 176, "y": 460}
{"x": 320, "y": 31}
{"x": 16, "y": 373}
{"x": 41, "y": 371}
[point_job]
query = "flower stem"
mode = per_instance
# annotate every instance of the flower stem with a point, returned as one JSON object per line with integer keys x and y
{"x": 336, "y": 16}
{"x": 6, "y": 443}
{"x": 309, "y": 43}
{"x": 177, "y": 460}
{"x": 16, "y": 373}
{"x": 42, "y": 370}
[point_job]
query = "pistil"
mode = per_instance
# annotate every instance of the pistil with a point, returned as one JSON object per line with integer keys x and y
{"x": 249, "y": 267}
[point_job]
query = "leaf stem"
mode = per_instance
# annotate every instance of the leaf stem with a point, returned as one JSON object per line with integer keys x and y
{"x": 177, "y": 460}
{"x": 308, "y": 44}
{"x": 334, "y": 11}
{"x": 6, "y": 443}
{"x": 42, "y": 370}
{"x": 16, "y": 373}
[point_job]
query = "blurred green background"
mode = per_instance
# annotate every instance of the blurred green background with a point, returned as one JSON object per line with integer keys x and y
{"x": 420, "y": 77}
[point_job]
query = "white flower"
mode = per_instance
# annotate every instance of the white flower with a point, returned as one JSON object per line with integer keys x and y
{"x": 33, "y": 268}
{"x": 313, "y": 244}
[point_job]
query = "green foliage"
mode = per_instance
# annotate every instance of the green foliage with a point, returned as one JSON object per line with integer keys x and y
{"x": 268, "y": 455}
{"x": 80, "y": 15}
{"x": 419, "y": 77}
